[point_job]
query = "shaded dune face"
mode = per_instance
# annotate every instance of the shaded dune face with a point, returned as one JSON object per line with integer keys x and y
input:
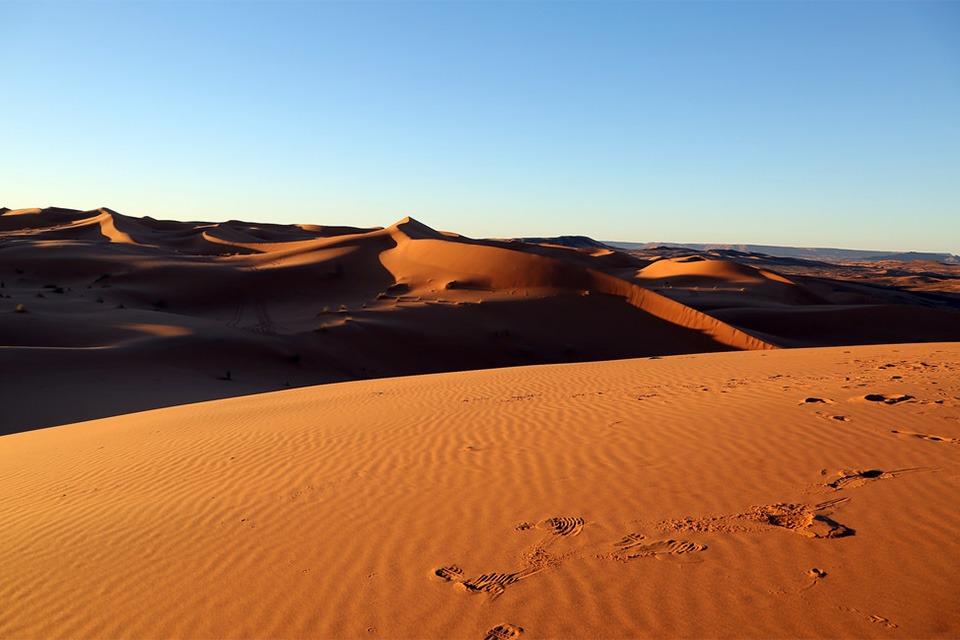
{"x": 278, "y": 305}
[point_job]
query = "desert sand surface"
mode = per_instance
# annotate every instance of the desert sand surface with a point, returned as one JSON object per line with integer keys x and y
{"x": 756, "y": 494}
{"x": 103, "y": 313}
{"x": 248, "y": 430}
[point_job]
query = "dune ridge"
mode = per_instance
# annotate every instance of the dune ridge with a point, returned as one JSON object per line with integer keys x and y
{"x": 266, "y": 306}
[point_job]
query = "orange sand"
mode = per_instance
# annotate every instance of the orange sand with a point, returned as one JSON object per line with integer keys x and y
{"x": 787, "y": 493}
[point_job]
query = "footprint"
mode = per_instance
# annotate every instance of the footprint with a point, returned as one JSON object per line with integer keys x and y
{"x": 503, "y": 632}
{"x": 629, "y": 540}
{"x": 495, "y": 583}
{"x": 829, "y": 416}
{"x": 816, "y": 576}
{"x": 453, "y": 573}
{"x": 635, "y": 546}
{"x": 492, "y": 584}
{"x": 856, "y": 477}
{"x": 811, "y": 521}
{"x": 535, "y": 560}
{"x": 887, "y": 398}
{"x": 563, "y": 526}
{"x": 924, "y": 436}
{"x": 884, "y": 621}
{"x": 871, "y": 617}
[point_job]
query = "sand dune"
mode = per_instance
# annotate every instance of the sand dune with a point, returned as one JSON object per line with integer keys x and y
{"x": 788, "y": 493}
{"x": 258, "y": 307}
{"x": 251, "y": 307}
{"x": 811, "y": 304}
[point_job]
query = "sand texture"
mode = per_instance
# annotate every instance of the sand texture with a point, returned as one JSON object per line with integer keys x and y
{"x": 774, "y": 493}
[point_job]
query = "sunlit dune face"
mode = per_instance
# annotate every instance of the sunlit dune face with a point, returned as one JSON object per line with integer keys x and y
{"x": 159, "y": 330}
{"x": 743, "y": 494}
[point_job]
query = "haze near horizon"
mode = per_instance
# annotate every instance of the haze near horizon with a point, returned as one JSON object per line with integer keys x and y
{"x": 830, "y": 125}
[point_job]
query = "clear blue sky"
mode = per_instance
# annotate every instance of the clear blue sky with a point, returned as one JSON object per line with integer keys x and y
{"x": 810, "y": 124}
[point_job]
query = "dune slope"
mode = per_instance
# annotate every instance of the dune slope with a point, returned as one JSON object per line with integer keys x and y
{"x": 789, "y": 493}
{"x": 164, "y": 313}
{"x": 804, "y": 303}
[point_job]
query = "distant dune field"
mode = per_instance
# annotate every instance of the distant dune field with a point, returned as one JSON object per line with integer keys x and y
{"x": 162, "y": 312}
{"x": 159, "y": 312}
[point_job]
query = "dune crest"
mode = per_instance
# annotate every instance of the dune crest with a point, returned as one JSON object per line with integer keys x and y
{"x": 292, "y": 305}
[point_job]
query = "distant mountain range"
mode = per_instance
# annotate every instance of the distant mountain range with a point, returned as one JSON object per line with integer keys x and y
{"x": 576, "y": 242}
{"x": 817, "y": 253}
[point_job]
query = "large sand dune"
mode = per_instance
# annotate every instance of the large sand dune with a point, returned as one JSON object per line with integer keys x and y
{"x": 788, "y": 493}
{"x": 123, "y": 314}
{"x": 162, "y": 313}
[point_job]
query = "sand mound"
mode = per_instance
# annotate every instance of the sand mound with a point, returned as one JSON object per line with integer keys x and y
{"x": 693, "y": 267}
{"x": 751, "y": 494}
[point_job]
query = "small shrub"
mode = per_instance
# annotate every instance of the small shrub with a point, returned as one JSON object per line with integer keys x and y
{"x": 343, "y": 308}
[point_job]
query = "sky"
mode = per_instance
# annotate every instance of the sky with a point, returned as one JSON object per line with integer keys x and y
{"x": 827, "y": 124}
